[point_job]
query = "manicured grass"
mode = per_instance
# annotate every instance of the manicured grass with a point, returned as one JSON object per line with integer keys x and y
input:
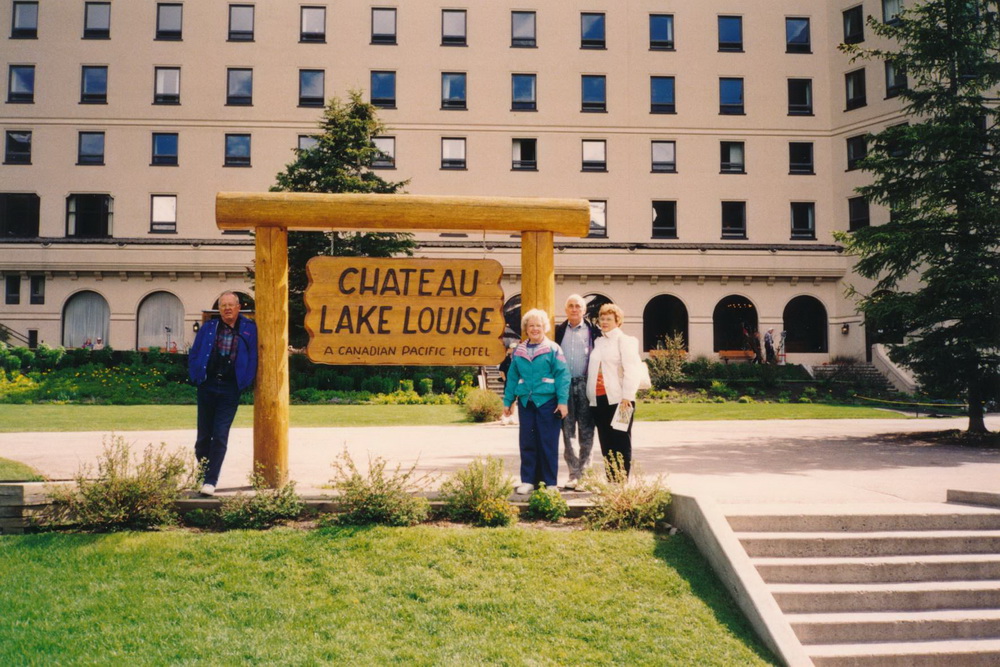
{"x": 712, "y": 411}
{"x": 417, "y": 596}
{"x": 12, "y": 471}
{"x": 45, "y": 417}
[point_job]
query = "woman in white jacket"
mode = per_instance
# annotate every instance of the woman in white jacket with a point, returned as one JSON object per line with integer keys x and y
{"x": 612, "y": 381}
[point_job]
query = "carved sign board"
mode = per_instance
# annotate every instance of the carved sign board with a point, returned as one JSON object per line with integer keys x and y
{"x": 421, "y": 312}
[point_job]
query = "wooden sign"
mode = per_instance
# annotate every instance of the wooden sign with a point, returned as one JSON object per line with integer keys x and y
{"x": 420, "y": 312}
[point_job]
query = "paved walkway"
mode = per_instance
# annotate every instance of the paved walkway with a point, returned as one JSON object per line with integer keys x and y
{"x": 795, "y": 461}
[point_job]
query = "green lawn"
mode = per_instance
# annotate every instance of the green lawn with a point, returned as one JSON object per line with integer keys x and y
{"x": 14, "y": 471}
{"x": 710, "y": 411}
{"x": 417, "y": 596}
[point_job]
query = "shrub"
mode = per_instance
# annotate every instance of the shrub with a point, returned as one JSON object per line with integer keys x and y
{"x": 621, "y": 502}
{"x": 128, "y": 493}
{"x": 722, "y": 390}
{"x": 425, "y": 386}
{"x": 479, "y": 494}
{"x": 547, "y": 503}
{"x": 263, "y": 508}
{"x": 483, "y": 405}
{"x": 380, "y": 497}
{"x": 667, "y": 367}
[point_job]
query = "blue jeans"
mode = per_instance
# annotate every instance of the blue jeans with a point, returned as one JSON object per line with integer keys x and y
{"x": 539, "y": 440}
{"x": 217, "y": 403}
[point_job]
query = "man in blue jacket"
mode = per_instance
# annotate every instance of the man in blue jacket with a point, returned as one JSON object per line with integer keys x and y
{"x": 222, "y": 363}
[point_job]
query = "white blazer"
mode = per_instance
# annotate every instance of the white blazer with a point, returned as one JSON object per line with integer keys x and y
{"x": 616, "y": 356}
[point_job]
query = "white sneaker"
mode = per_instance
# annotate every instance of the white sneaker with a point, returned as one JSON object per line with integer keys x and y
{"x": 571, "y": 483}
{"x": 524, "y": 489}
{"x": 208, "y": 489}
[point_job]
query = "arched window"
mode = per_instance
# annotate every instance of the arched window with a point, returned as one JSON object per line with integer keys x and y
{"x": 86, "y": 317}
{"x": 512, "y": 317}
{"x": 594, "y": 303}
{"x": 734, "y": 321}
{"x": 664, "y": 315}
{"x": 805, "y": 325}
{"x": 160, "y": 322}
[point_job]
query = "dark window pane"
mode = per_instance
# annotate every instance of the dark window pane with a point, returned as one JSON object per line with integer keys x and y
{"x": 384, "y": 89}
{"x": 797, "y": 38}
{"x": 732, "y": 160}
{"x": 453, "y": 90}
{"x": 854, "y": 83}
{"x": 730, "y": 33}
{"x": 523, "y": 92}
{"x": 522, "y": 29}
{"x": 661, "y": 92}
{"x": 19, "y": 215}
{"x": 800, "y": 102}
{"x": 857, "y": 149}
{"x": 661, "y": 31}
{"x": 164, "y": 148}
{"x": 311, "y": 87}
{"x": 17, "y": 149}
{"x": 664, "y": 219}
{"x": 21, "y": 84}
{"x": 89, "y": 216}
{"x": 858, "y": 215}
{"x": 734, "y": 220}
{"x": 731, "y": 96}
{"x": 800, "y": 157}
{"x": 592, "y": 33}
{"x": 25, "y": 21}
{"x": 237, "y": 150}
{"x": 854, "y": 25}
{"x": 91, "y": 148}
{"x": 803, "y": 220}
{"x": 240, "y": 87}
{"x": 524, "y": 154}
{"x": 594, "y": 93}
{"x": 37, "y": 290}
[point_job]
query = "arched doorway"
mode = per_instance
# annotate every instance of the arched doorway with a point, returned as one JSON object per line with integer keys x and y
{"x": 512, "y": 318}
{"x": 86, "y": 317}
{"x": 805, "y": 325}
{"x": 160, "y": 322}
{"x": 664, "y": 315}
{"x": 594, "y": 303}
{"x": 733, "y": 321}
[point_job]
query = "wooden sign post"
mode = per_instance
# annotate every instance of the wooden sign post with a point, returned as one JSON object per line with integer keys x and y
{"x": 272, "y": 214}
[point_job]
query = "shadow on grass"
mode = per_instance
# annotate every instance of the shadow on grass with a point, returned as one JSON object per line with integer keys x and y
{"x": 680, "y": 553}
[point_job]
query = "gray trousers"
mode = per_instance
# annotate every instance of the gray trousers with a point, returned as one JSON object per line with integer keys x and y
{"x": 579, "y": 422}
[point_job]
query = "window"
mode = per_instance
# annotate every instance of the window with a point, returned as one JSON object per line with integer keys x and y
{"x": 240, "y": 23}
{"x": 592, "y": 31}
{"x": 661, "y": 94}
{"x": 732, "y": 157}
{"x": 94, "y": 85}
{"x": 19, "y": 215}
{"x": 664, "y": 219}
{"x": 797, "y": 38}
{"x": 731, "y": 97}
{"x": 384, "y": 89}
{"x": 664, "y": 156}
{"x": 453, "y": 153}
{"x": 854, "y": 84}
{"x": 523, "y": 92}
{"x": 12, "y": 290}
{"x": 312, "y": 25}
{"x": 522, "y": 29}
{"x": 311, "y": 87}
{"x": 854, "y": 25}
{"x": 890, "y": 10}
{"x": 37, "y": 290}
{"x": 896, "y": 143}
{"x": 594, "y": 92}
{"x": 307, "y": 142}
{"x": 91, "y": 148}
{"x": 453, "y": 27}
{"x": 453, "y": 90}
{"x": 524, "y": 155}
{"x": 800, "y": 97}
{"x": 661, "y": 32}
{"x": 89, "y": 216}
{"x": 730, "y": 33}
{"x": 21, "y": 84}
{"x": 168, "y": 85}
{"x": 164, "y": 149}
{"x": 17, "y": 147}
{"x": 168, "y": 21}
{"x": 237, "y": 150}
{"x": 25, "y": 21}
{"x": 800, "y": 157}
{"x": 895, "y": 79}
{"x": 734, "y": 219}
{"x": 383, "y": 26}
{"x": 803, "y": 220}
{"x": 595, "y": 155}
{"x": 239, "y": 87}
{"x": 857, "y": 149}
{"x": 857, "y": 213}
{"x": 97, "y": 20}
{"x": 163, "y": 214}
{"x": 598, "y": 219}
{"x": 386, "y": 159}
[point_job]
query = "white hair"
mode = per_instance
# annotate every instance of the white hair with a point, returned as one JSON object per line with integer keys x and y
{"x": 535, "y": 314}
{"x": 576, "y": 298}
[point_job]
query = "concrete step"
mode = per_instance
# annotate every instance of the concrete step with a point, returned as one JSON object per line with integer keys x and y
{"x": 815, "y": 523}
{"x": 881, "y": 543}
{"x": 884, "y": 569}
{"x": 895, "y": 626}
{"x": 923, "y": 596}
{"x": 953, "y": 653}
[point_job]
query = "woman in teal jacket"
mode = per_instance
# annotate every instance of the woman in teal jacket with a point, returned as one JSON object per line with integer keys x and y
{"x": 539, "y": 380}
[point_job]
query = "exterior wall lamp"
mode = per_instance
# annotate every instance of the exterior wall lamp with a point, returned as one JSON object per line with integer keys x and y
{"x": 845, "y": 328}
{"x": 195, "y": 327}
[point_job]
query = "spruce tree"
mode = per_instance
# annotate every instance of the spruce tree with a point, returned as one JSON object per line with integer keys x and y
{"x": 935, "y": 266}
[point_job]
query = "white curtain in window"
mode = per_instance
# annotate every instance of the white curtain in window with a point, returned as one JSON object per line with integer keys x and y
{"x": 593, "y": 151}
{"x": 663, "y": 151}
{"x": 168, "y": 81}
{"x": 86, "y": 315}
{"x": 453, "y": 149}
{"x": 453, "y": 23}
{"x": 523, "y": 25}
{"x": 159, "y": 312}
{"x": 383, "y": 21}
{"x": 314, "y": 20}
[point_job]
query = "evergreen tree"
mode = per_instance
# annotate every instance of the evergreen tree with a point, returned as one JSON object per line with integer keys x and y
{"x": 339, "y": 162}
{"x": 935, "y": 266}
